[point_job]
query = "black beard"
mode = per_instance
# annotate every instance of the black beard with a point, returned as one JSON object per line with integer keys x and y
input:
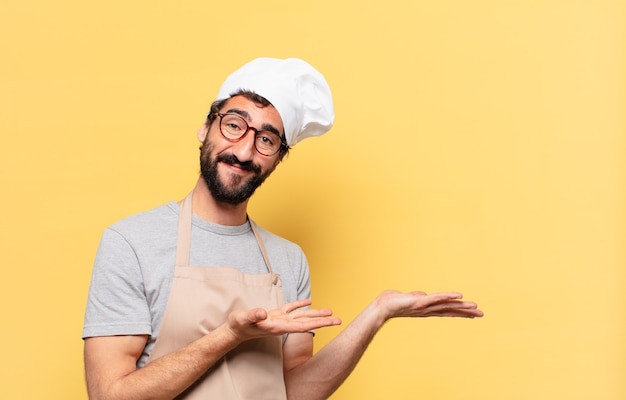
{"x": 234, "y": 194}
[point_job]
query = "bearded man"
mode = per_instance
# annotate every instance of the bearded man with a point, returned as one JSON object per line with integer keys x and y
{"x": 193, "y": 300}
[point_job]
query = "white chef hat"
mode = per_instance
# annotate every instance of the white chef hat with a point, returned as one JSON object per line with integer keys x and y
{"x": 298, "y": 91}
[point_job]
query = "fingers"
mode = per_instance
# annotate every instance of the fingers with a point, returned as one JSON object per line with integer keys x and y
{"x": 295, "y": 310}
{"x": 311, "y": 313}
{"x": 453, "y": 305}
{"x": 251, "y": 317}
{"x": 439, "y": 297}
{"x": 453, "y": 308}
{"x": 297, "y": 321}
{"x": 420, "y": 304}
{"x": 289, "y": 318}
{"x": 289, "y": 307}
{"x": 295, "y": 318}
{"x": 466, "y": 313}
{"x": 446, "y": 300}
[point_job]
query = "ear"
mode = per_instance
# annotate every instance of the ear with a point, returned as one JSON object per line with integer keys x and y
{"x": 202, "y": 132}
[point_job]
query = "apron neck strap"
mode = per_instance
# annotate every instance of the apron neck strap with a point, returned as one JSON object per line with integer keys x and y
{"x": 183, "y": 243}
{"x": 259, "y": 241}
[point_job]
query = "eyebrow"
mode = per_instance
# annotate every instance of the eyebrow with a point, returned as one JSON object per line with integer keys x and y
{"x": 246, "y": 116}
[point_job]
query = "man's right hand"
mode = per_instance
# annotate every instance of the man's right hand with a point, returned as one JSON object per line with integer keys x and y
{"x": 290, "y": 318}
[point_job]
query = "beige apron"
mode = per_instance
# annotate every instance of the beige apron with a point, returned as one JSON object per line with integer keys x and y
{"x": 200, "y": 300}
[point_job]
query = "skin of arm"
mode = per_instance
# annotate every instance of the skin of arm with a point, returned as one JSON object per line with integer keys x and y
{"x": 316, "y": 377}
{"x": 110, "y": 361}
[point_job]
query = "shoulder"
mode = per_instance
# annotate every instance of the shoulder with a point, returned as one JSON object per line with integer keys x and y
{"x": 163, "y": 217}
{"x": 139, "y": 245}
{"x": 283, "y": 251}
{"x": 272, "y": 240}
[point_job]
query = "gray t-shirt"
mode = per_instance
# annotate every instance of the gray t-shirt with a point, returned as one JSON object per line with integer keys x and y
{"x": 134, "y": 268}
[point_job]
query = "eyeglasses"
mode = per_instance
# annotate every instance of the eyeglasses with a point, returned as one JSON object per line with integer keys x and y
{"x": 234, "y": 127}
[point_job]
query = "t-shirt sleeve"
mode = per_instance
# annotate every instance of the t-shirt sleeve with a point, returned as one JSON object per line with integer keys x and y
{"x": 304, "y": 280}
{"x": 116, "y": 303}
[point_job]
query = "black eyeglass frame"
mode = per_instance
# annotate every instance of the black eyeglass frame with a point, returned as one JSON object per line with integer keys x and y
{"x": 283, "y": 144}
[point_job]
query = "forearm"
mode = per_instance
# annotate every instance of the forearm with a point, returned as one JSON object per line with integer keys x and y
{"x": 319, "y": 376}
{"x": 323, "y": 373}
{"x": 110, "y": 361}
{"x": 163, "y": 378}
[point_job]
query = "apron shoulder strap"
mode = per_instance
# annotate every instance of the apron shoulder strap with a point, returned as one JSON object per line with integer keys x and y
{"x": 259, "y": 240}
{"x": 183, "y": 243}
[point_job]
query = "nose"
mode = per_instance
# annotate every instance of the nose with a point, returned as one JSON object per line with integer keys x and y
{"x": 244, "y": 149}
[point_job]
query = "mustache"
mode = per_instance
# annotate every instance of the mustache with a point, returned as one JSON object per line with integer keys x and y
{"x": 231, "y": 159}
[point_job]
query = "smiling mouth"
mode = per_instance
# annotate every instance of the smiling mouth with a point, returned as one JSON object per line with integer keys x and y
{"x": 232, "y": 161}
{"x": 238, "y": 168}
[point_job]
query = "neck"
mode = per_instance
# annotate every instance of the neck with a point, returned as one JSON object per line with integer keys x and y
{"x": 207, "y": 208}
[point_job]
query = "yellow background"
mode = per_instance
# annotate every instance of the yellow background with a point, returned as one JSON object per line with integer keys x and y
{"x": 479, "y": 146}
